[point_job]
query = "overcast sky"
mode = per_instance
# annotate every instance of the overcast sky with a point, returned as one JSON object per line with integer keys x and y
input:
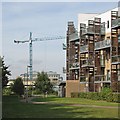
{"x": 43, "y": 20}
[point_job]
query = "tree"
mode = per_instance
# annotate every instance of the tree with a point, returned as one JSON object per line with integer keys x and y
{"x": 5, "y": 72}
{"x": 18, "y": 87}
{"x": 43, "y": 83}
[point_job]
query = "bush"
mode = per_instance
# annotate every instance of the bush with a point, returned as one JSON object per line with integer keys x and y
{"x": 109, "y": 97}
{"x": 74, "y": 95}
{"x": 7, "y": 91}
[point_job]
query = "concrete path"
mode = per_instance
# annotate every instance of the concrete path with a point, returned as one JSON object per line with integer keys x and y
{"x": 51, "y": 103}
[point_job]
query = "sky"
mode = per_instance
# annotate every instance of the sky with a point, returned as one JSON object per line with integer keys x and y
{"x": 43, "y": 19}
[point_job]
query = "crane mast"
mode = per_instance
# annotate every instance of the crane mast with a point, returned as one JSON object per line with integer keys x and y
{"x": 30, "y": 49}
{"x": 30, "y": 57}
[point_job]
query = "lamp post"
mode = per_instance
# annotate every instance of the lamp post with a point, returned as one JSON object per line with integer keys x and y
{"x": 28, "y": 66}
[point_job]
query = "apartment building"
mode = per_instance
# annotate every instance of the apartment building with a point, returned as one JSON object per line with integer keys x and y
{"x": 93, "y": 53}
{"x": 54, "y": 77}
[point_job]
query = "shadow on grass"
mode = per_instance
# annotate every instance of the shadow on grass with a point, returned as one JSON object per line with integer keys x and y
{"x": 13, "y": 108}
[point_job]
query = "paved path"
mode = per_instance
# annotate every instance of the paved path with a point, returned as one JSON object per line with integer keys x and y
{"x": 58, "y": 104}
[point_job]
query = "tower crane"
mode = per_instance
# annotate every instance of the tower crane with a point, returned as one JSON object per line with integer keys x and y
{"x": 30, "y": 41}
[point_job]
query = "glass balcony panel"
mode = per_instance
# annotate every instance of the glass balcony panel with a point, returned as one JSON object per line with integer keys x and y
{"x": 116, "y": 59}
{"x": 88, "y": 62}
{"x": 74, "y": 65}
{"x": 73, "y": 37}
{"x": 102, "y": 44}
{"x": 116, "y": 23}
{"x": 84, "y": 48}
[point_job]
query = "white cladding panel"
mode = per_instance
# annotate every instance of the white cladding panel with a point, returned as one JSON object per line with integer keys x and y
{"x": 82, "y": 17}
{"x": 106, "y": 16}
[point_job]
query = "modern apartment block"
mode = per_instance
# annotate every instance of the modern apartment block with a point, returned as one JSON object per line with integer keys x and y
{"x": 93, "y": 53}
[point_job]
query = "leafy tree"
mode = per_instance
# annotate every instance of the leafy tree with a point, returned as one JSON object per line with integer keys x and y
{"x": 4, "y": 72}
{"x": 43, "y": 83}
{"x": 18, "y": 87}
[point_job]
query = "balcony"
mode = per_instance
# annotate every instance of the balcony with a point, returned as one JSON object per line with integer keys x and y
{"x": 116, "y": 23}
{"x": 74, "y": 66}
{"x": 73, "y": 37}
{"x": 102, "y": 78}
{"x": 102, "y": 31}
{"x": 83, "y": 48}
{"x": 83, "y": 79}
{"x": 116, "y": 59}
{"x": 102, "y": 28}
{"x": 88, "y": 30}
{"x": 88, "y": 63}
{"x": 102, "y": 44}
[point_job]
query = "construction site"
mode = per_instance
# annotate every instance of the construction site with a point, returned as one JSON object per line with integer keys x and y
{"x": 93, "y": 53}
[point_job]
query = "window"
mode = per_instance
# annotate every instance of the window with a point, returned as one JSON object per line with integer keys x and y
{"x": 108, "y": 74}
{"x": 108, "y": 24}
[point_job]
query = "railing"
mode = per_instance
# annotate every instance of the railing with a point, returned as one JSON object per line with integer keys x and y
{"x": 88, "y": 62}
{"x": 88, "y": 30}
{"x": 84, "y": 48}
{"x": 116, "y": 59}
{"x": 103, "y": 30}
{"x": 116, "y": 23}
{"x": 102, "y": 44}
{"x": 73, "y": 37}
{"x": 75, "y": 65}
{"x": 101, "y": 78}
{"x": 102, "y": 62}
{"x": 82, "y": 79}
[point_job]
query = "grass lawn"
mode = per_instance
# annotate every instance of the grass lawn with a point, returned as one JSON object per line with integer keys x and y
{"x": 75, "y": 101}
{"x": 13, "y": 108}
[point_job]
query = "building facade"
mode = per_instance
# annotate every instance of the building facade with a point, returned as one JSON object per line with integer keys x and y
{"x": 54, "y": 77}
{"x": 93, "y": 53}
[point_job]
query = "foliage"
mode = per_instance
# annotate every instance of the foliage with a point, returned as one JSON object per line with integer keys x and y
{"x": 5, "y": 72}
{"x": 6, "y": 91}
{"x": 106, "y": 94}
{"x": 43, "y": 83}
{"x": 18, "y": 87}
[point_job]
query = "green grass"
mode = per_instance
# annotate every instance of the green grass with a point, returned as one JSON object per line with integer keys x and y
{"x": 75, "y": 101}
{"x": 13, "y": 108}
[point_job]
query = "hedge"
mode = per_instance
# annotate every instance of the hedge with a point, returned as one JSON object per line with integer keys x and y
{"x": 109, "y": 97}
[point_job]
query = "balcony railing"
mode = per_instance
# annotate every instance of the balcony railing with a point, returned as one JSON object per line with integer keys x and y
{"x": 82, "y": 78}
{"x": 84, "y": 48}
{"x": 75, "y": 65}
{"x": 116, "y": 23}
{"x": 73, "y": 37}
{"x": 102, "y": 44}
{"x": 88, "y": 30}
{"x": 101, "y": 78}
{"x": 88, "y": 62}
{"x": 116, "y": 59}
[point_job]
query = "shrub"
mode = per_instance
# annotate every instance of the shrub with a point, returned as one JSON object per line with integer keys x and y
{"x": 6, "y": 91}
{"x": 74, "y": 95}
{"x": 109, "y": 97}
